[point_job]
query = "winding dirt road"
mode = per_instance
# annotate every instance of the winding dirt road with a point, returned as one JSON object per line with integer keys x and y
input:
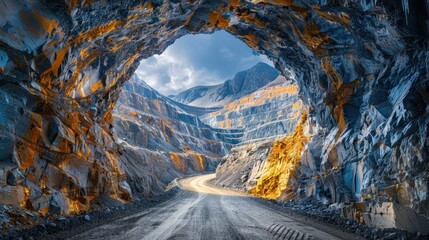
{"x": 203, "y": 211}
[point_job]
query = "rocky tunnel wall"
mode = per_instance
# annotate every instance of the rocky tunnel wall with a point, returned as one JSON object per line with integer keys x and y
{"x": 362, "y": 69}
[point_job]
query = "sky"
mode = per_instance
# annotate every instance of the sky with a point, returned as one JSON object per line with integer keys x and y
{"x": 193, "y": 60}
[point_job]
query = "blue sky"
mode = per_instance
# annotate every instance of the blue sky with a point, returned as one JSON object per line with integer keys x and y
{"x": 203, "y": 59}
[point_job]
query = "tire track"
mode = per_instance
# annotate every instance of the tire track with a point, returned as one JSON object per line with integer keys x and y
{"x": 282, "y": 232}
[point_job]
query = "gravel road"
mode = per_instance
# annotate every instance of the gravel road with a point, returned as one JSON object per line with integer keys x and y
{"x": 204, "y": 211}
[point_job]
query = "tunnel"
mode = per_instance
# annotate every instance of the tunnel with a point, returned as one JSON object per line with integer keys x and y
{"x": 361, "y": 67}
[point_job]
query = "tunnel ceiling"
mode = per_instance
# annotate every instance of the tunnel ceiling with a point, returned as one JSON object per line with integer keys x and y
{"x": 63, "y": 63}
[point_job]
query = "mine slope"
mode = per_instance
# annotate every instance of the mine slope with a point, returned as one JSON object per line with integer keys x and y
{"x": 203, "y": 211}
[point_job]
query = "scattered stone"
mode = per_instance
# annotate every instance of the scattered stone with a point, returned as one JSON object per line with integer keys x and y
{"x": 390, "y": 236}
{"x": 4, "y": 218}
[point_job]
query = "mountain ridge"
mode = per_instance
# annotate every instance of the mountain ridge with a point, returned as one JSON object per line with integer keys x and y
{"x": 243, "y": 83}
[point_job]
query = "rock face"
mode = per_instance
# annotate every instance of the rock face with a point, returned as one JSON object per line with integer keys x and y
{"x": 160, "y": 141}
{"x": 267, "y": 168}
{"x": 278, "y": 178}
{"x": 242, "y": 84}
{"x": 241, "y": 168}
{"x": 361, "y": 67}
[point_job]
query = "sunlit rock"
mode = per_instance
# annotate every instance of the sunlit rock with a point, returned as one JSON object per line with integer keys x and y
{"x": 279, "y": 176}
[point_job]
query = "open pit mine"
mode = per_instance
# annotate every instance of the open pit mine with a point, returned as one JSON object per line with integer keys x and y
{"x": 330, "y": 143}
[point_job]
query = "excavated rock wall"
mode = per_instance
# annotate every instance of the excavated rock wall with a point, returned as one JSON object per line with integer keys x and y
{"x": 362, "y": 69}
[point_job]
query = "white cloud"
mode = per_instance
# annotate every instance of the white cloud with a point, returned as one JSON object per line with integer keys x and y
{"x": 168, "y": 75}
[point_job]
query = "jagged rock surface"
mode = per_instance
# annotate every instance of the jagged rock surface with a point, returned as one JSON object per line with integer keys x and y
{"x": 242, "y": 84}
{"x": 243, "y": 165}
{"x": 362, "y": 71}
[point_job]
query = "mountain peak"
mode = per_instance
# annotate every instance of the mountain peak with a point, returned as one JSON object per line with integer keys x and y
{"x": 243, "y": 83}
{"x": 261, "y": 64}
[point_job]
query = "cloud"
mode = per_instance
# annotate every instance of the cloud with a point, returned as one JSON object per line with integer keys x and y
{"x": 204, "y": 59}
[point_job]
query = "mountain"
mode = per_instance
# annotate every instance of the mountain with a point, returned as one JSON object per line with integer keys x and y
{"x": 242, "y": 84}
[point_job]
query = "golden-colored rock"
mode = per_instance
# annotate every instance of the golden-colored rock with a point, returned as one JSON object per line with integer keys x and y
{"x": 277, "y": 182}
{"x": 133, "y": 113}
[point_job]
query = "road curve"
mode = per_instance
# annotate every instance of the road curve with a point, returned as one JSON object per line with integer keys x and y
{"x": 203, "y": 211}
{"x": 201, "y": 184}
